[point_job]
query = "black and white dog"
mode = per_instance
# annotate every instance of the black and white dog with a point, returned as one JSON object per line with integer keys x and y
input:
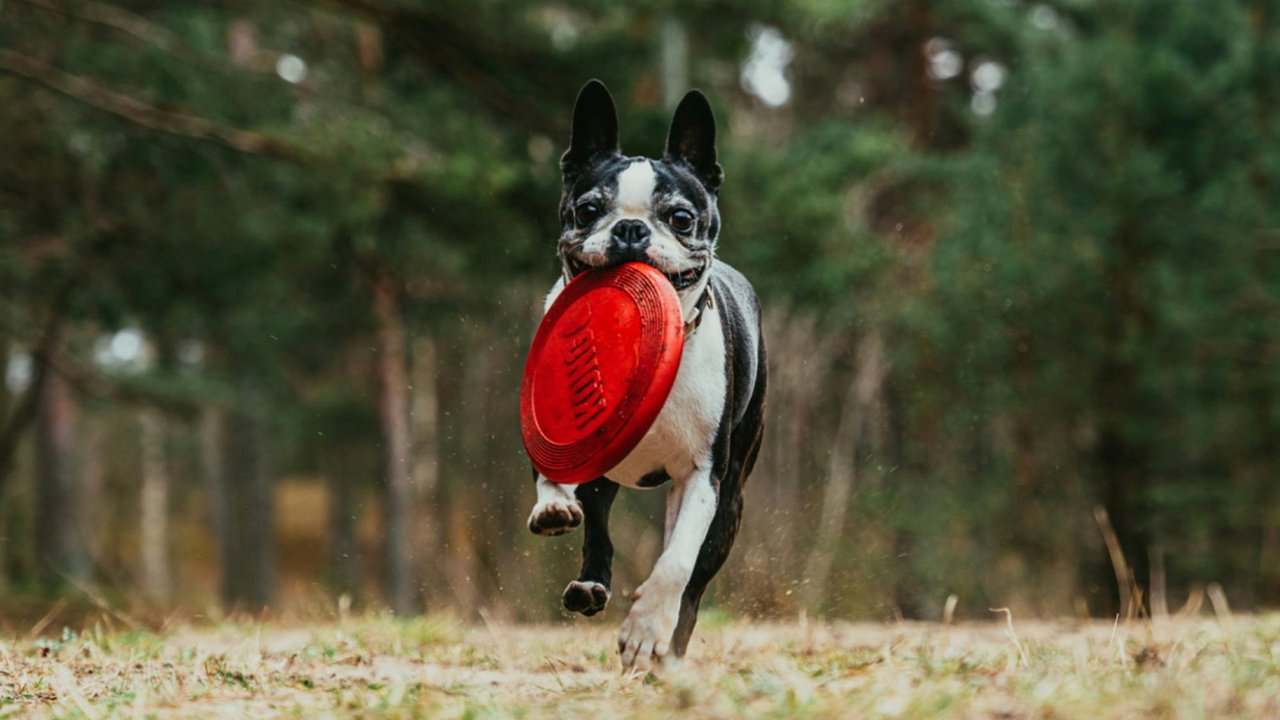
{"x": 615, "y": 209}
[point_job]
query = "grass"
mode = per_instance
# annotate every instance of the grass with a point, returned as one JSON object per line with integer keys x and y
{"x": 433, "y": 667}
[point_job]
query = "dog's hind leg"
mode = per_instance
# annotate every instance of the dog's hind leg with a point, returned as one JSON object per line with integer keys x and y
{"x": 590, "y": 592}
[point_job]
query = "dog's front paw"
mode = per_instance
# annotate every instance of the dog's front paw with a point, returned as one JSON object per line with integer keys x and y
{"x": 586, "y": 597}
{"x": 645, "y": 636}
{"x": 555, "y": 517}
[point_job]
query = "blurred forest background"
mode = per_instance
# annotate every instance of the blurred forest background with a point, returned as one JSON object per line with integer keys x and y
{"x": 268, "y": 272}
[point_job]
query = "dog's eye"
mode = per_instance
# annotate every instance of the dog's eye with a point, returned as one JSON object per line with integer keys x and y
{"x": 681, "y": 221}
{"x": 586, "y": 214}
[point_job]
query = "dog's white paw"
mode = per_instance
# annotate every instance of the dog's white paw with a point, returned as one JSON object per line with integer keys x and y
{"x": 645, "y": 637}
{"x": 555, "y": 517}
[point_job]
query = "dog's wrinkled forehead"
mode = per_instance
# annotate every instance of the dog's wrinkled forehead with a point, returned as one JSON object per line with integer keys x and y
{"x": 632, "y": 183}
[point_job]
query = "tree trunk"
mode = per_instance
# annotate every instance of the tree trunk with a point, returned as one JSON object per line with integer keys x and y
{"x": 1121, "y": 454}
{"x": 23, "y": 413}
{"x": 424, "y": 417}
{"x": 393, "y": 413}
{"x": 213, "y": 478}
{"x": 5, "y": 401}
{"x": 370, "y": 52}
{"x": 1264, "y": 380}
{"x": 154, "y": 508}
{"x": 842, "y": 466}
{"x": 922, "y": 102}
{"x": 59, "y": 543}
{"x": 95, "y": 508}
{"x": 1024, "y": 536}
{"x": 674, "y": 44}
{"x": 341, "y": 466}
{"x": 248, "y": 560}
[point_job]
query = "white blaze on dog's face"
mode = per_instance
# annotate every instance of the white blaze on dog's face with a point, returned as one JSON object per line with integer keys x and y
{"x": 617, "y": 209}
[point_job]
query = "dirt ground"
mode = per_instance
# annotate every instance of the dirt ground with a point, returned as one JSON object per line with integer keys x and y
{"x": 437, "y": 668}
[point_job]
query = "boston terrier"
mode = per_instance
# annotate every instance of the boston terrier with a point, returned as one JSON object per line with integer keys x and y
{"x": 617, "y": 208}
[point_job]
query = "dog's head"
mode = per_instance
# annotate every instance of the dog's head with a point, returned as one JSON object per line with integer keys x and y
{"x": 617, "y": 208}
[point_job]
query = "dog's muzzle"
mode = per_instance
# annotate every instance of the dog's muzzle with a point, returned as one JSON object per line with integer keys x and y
{"x": 628, "y": 239}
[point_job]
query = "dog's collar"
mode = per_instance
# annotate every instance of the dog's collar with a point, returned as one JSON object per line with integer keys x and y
{"x": 705, "y": 302}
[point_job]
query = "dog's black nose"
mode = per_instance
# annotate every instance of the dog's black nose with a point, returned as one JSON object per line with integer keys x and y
{"x": 630, "y": 236}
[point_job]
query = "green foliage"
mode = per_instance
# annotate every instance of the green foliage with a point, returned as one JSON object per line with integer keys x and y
{"x": 1077, "y": 293}
{"x": 1101, "y": 268}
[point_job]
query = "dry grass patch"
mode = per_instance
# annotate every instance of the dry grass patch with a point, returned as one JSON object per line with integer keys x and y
{"x": 434, "y": 667}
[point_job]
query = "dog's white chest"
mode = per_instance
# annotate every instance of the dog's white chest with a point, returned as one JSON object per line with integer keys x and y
{"x": 681, "y": 437}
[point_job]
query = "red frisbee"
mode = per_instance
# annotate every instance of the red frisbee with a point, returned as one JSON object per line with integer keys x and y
{"x": 601, "y": 366}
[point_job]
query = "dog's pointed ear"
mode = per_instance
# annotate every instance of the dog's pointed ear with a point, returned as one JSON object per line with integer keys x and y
{"x": 595, "y": 128}
{"x": 692, "y": 140}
